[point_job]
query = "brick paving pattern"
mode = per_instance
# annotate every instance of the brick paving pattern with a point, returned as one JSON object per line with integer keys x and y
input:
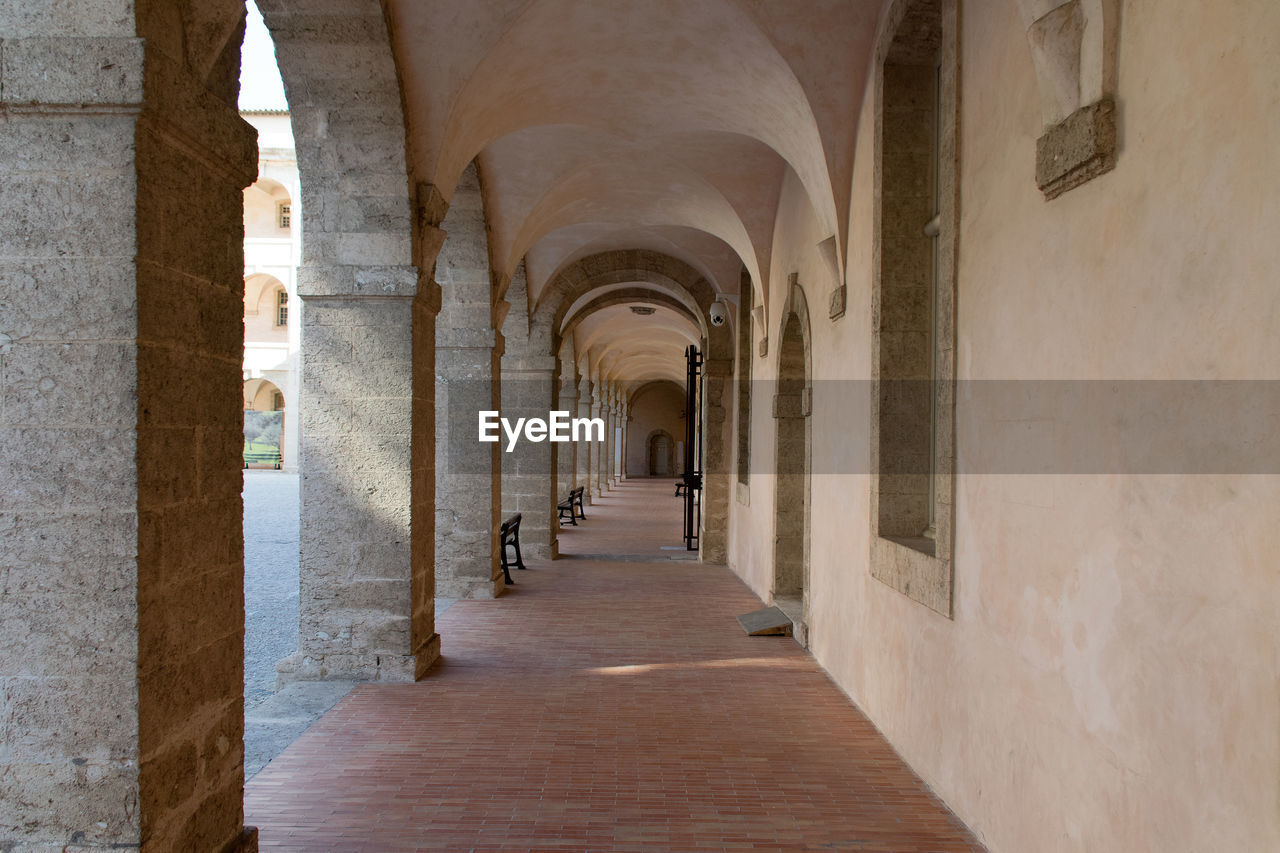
{"x": 610, "y": 706}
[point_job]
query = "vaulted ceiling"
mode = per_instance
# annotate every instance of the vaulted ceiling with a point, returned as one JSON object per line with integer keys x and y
{"x": 667, "y": 125}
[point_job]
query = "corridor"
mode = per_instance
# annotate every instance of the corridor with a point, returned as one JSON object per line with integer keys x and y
{"x": 602, "y": 704}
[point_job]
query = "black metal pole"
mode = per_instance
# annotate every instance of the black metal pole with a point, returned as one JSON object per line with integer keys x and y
{"x": 692, "y": 455}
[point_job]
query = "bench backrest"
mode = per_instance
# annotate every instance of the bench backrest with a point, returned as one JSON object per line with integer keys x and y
{"x": 510, "y": 527}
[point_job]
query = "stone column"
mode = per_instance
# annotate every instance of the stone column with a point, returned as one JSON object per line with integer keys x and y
{"x": 361, "y": 512}
{"x": 468, "y": 381}
{"x": 528, "y": 391}
{"x": 597, "y": 456}
{"x": 626, "y": 432}
{"x": 121, "y": 227}
{"x": 606, "y": 450}
{"x": 366, "y": 356}
{"x": 582, "y": 449}
{"x": 717, "y": 389}
{"x": 616, "y": 469}
{"x": 529, "y": 470}
{"x": 566, "y": 454}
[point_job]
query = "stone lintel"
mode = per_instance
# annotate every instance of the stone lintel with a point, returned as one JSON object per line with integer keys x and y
{"x": 1077, "y": 149}
{"x": 351, "y": 281}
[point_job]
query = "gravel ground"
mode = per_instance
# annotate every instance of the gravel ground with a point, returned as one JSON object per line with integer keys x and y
{"x": 270, "y": 578}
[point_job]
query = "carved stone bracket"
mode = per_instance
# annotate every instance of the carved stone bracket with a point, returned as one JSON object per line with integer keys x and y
{"x": 1077, "y": 149}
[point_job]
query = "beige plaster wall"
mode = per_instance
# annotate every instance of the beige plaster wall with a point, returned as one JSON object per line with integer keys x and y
{"x": 260, "y": 325}
{"x": 1109, "y": 680}
{"x": 261, "y": 209}
{"x": 656, "y": 407}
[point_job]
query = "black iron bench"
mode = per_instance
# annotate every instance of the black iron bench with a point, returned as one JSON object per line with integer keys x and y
{"x": 681, "y": 488}
{"x": 570, "y": 508}
{"x": 510, "y": 536}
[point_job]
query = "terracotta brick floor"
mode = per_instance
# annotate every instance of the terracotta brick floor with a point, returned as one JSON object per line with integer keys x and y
{"x": 602, "y": 706}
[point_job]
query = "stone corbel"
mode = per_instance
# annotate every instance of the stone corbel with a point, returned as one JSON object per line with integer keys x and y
{"x": 1073, "y": 47}
{"x": 838, "y": 298}
{"x": 430, "y": 211}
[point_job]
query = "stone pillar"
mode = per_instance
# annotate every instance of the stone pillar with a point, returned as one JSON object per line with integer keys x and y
{"x": 626, "y": 430}
{"x": 582, "y": 449}
{"x": 566, "y": 454}
{"x": 616, "y": 468}
{"x": 366, "y": 341}
{"x": 468, "y": 381}
{"x": 363, "y": 580}
{"x": 528, "y": 391}
{"x": 121, "y": 227}
{"x": 606, "y": 450}
{"x": 596, "y": 482}
{"x": 717, "y": 390}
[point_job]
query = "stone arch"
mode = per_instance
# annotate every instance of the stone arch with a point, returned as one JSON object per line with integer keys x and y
{"x": 641, "y": 265}
{"x": 263, "y": 200}
{"x": 621, "y": 297}
{"x": 792, "y": 406}
{"x": 256, "y": 289}
{"x": 622, "y": 267}
{"x": 372, "y": 228}
{"x": 260, "y": 395}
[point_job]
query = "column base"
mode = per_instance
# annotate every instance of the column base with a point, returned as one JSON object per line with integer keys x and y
{"x": 539, "y": 551}
{"x": 245, "y": 842}
{"x": 427, "y": 656}
{"x": 470, "y": 587}
{"x": 352, "y": 667}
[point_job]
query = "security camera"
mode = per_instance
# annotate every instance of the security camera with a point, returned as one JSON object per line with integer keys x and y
{"x": 719, "y": 313}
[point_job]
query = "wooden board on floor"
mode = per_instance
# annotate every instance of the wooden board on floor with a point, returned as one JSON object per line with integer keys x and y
{"x": 769, "y": 622}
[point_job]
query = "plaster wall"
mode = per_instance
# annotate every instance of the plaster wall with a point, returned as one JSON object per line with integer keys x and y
{"x": 1109, "y": 679}
{"x": 657, "y": 407}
